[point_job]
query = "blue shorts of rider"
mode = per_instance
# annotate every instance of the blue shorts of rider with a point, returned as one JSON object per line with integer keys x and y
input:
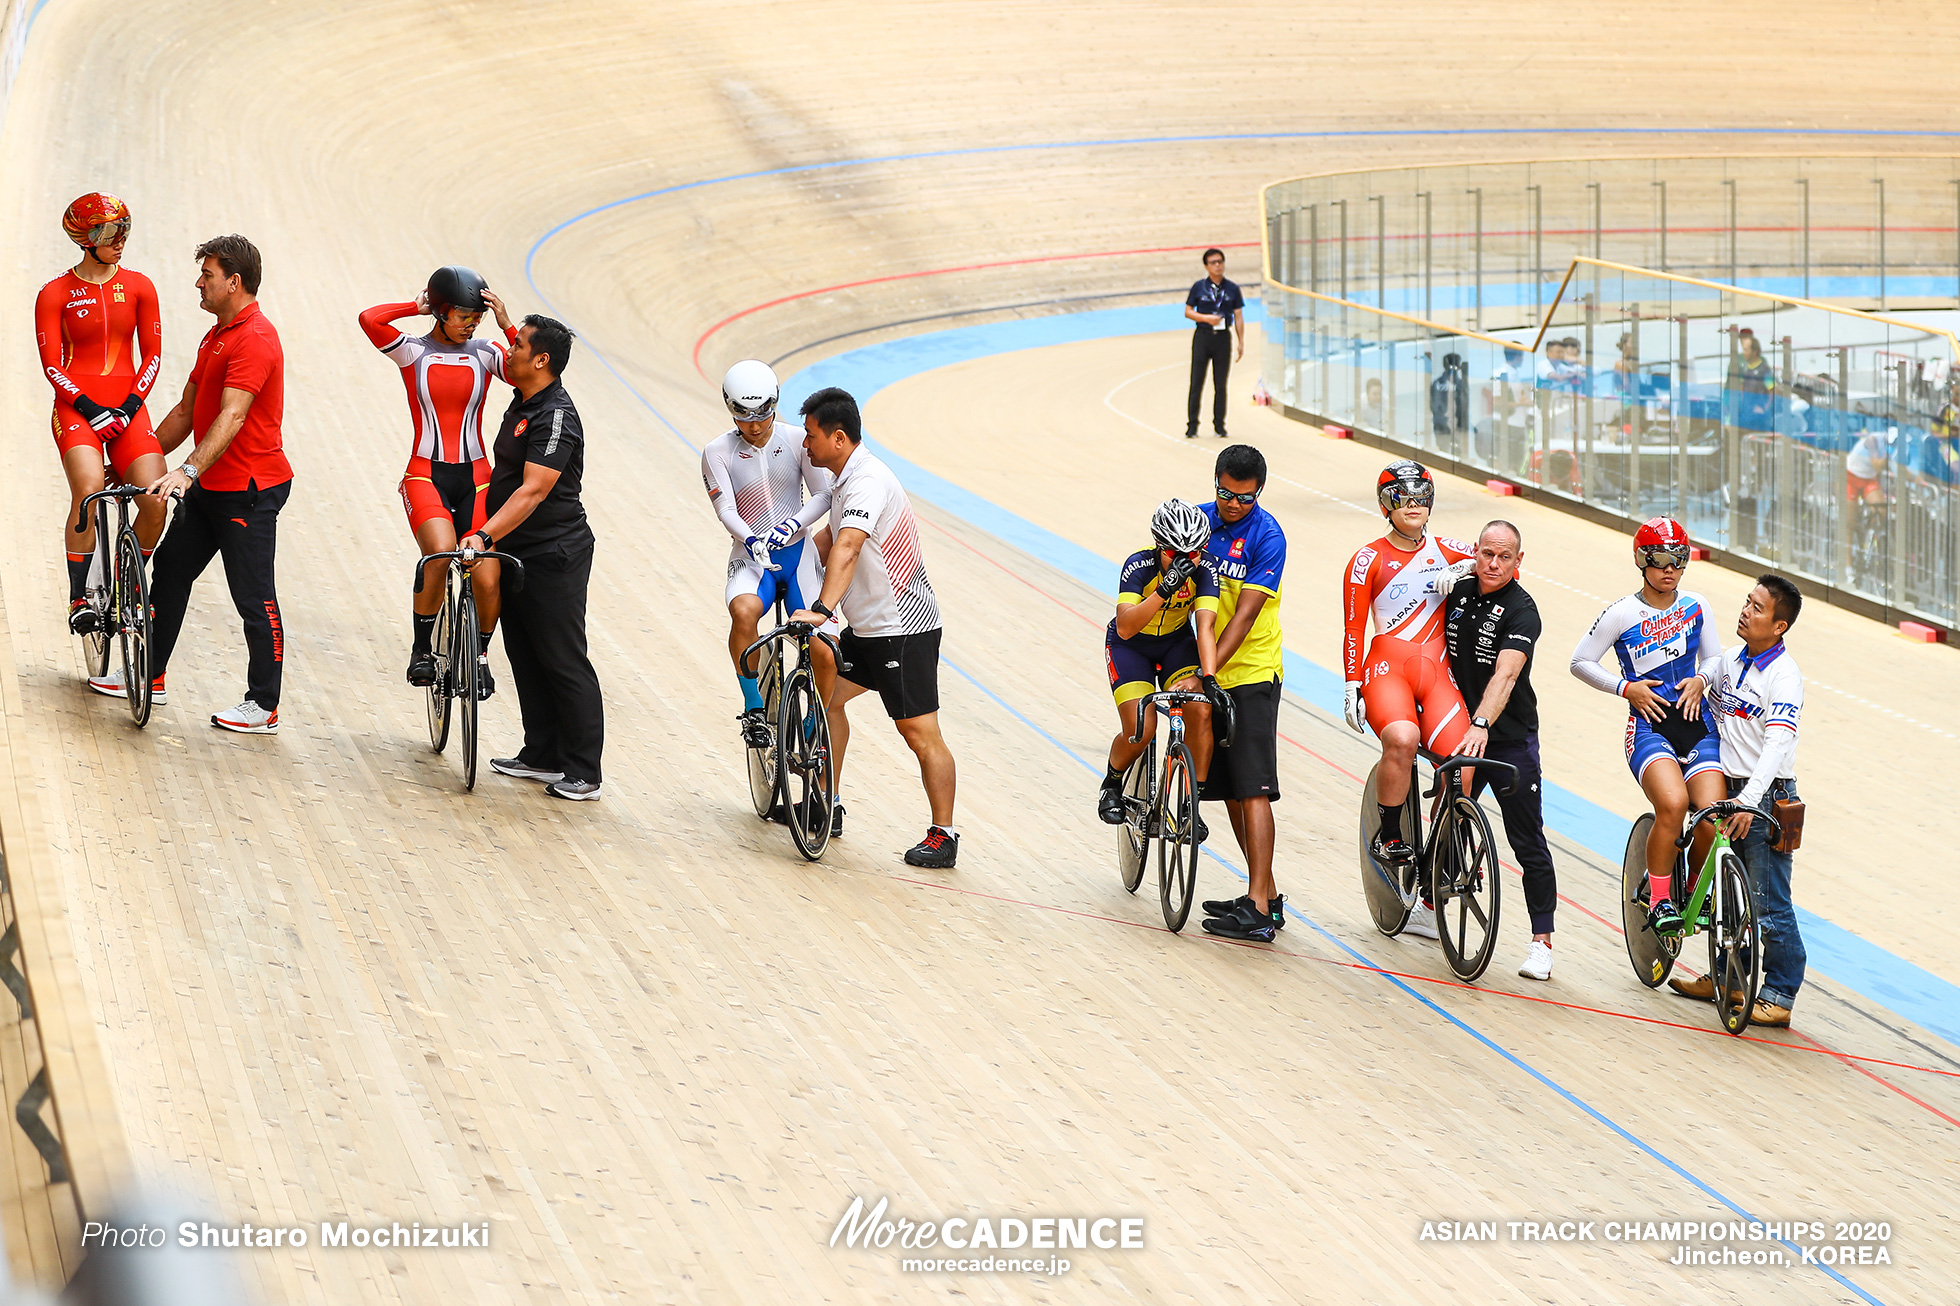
{"x": 1645, "y": 745}
{"x": 1769, "y": 873}
{"x": 1143, "y": 664}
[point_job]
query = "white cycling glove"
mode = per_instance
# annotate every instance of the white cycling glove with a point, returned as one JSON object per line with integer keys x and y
{"x": 1357, "y": 715}
{"x": 422, "y": 301}
{"x": 758, "y": 548}
{"x": 785, "y": 533}
{"x": 1456, "y": 571}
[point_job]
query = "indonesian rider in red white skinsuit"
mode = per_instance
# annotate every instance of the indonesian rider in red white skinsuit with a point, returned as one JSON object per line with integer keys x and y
{"x": 101, "y": 343}
{"x": 1403, "y": 687}
{"x": 447, "y": 374}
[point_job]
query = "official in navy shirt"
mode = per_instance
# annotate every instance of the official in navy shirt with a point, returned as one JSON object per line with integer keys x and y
{"x": 1218, "y": 308}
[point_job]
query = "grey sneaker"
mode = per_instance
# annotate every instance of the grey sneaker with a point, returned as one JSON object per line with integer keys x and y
{"x": 523, "y": 771}
{"x": 579, "y": 791}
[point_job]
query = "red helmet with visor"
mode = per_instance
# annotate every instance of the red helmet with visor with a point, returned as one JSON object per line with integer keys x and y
{"x": 96, "y": 219}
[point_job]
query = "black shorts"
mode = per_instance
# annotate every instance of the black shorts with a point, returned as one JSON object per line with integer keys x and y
{"x": 904, "y": 669}
{"x": 1250, "y": 767}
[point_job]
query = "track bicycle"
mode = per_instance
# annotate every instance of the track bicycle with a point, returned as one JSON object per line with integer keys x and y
{"x": 762, "y": 767}
{"x": 1455, "y": 862}
{"x": 458, "y": 651}
{"x": 799, "y": 770}
{"x": 1721, "y": 904}
{"x": 119, "y": 592}
{"x": 1160, "y": 802}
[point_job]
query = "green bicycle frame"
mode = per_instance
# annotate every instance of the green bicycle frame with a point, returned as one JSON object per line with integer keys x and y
{"x": 1692, "y": 916}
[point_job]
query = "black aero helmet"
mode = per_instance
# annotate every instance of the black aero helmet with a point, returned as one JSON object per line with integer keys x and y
{"x": 455, "y": 287}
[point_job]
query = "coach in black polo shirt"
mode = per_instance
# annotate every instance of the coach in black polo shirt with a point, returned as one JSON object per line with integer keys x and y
{"x": 536, "y": 514}
{"x": 1218, "y": 308}
{"x": 1492, "y": 627}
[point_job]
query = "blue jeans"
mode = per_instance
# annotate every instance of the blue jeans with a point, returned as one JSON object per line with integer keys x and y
{"x": 1769, "y": 872}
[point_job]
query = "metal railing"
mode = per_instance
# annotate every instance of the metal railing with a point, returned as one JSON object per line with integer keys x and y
{"x": 1784, "y": 432}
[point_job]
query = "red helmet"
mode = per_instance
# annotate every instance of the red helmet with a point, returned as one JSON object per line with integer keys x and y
{"x": 1659, "y": 542}
{"x": 1405, "y": 481}
{"x": 95, "y": 219}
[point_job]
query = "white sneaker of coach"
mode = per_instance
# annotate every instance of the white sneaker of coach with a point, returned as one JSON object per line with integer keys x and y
{"x": 1537, "y": 963}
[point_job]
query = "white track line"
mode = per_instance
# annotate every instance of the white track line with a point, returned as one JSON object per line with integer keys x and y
{"x": 1195, "y": 446}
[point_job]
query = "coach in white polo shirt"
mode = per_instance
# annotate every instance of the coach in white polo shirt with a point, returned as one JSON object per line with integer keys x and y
{"x": 877, "y": 575}
{"x": 1758, "y": 698}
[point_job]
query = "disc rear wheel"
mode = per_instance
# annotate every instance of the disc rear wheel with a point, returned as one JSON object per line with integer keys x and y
{"x": 1735, "y": 951}
{"x": 132, "y": 612}
{"x": 1133, "y": 836}
{"x": 1390, "y": 890}
{"x": 1177, "y": 844}
{"x": 440, "y": 644}
{"x": 763, "y": 779}
{"x": 1651, "y": 956}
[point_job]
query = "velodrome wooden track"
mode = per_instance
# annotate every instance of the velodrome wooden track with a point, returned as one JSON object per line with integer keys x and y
{"x": 654, "y": 1050}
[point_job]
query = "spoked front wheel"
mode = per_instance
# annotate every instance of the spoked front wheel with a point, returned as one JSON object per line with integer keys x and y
{"x": 1177, "y": 843}
{"x": 1651, "y": 955}
{"x": 442, "y": 643}
{"x": 1467, "y": 889}
{"x": 463, "y": 675}
{"x": 809, "y": 781}
{"x": 1133, "y": 836}
{"x": 1735, "y": 947}
{"x": 762, "y": 761}
{"x": 132, "y": 611}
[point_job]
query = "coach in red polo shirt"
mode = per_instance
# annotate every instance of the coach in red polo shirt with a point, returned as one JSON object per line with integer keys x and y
{"x": 233, "y": 484}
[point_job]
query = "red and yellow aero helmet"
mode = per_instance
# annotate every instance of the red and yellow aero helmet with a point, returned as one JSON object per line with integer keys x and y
{"x": 95, "y": 219}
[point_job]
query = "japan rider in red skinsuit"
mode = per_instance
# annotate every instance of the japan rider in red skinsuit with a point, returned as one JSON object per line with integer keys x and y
{"x": 101, "y": 341}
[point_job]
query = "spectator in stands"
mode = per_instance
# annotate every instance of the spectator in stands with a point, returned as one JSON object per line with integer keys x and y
{"x": 1512, "y": 408}
{"x": 1449, "y": 401}
{"x": 1749, "y": 394}
{"x": 1371, "y": 417}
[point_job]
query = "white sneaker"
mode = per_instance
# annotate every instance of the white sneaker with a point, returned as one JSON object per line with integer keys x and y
{"x": 1422, "y": 921}
{"x": 1537, "y": 962}
{"x": 112, "y": 685}
{"x": 248, "y": 718}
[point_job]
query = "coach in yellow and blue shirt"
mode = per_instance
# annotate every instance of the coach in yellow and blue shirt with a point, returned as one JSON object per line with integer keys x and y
{"x": 1248, "y": 552}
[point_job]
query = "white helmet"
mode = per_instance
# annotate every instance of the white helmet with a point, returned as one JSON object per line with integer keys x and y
{"x": 1180, "y": 526}
{"x": 750, "y": 390}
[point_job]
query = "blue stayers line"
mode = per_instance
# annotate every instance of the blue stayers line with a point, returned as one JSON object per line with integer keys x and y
{"x": 1423, "y": 998}
{"x": 1890, "y": 981}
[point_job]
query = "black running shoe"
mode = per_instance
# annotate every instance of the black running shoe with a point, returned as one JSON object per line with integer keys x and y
{"x": 938, "y": 850}
{"x": 1665, "y": 919}
{"x": 1109, "y": 806}
{"x": 1226, "y": 906}
{"x": 1243, "y": 923}
{"x": 422, "y": 670}
{"x": 755, "y": 728}
{"x": 1390, "y": 852}
{"x": 82, "y": 618}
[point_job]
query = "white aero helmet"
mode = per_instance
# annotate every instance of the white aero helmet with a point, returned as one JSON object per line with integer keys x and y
{"x": 750, "y": 390}
{"x": 1179, "y": 526}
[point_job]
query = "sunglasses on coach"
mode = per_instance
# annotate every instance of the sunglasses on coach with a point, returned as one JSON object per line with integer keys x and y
{"x": 1226, "y": 496}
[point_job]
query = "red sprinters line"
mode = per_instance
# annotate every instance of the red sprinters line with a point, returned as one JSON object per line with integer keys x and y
{"x": 940, "y": 272}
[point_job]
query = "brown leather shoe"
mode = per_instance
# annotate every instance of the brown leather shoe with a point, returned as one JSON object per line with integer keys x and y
{"x": 1769, "y": 1015}
{"x": 1701, "y": 990}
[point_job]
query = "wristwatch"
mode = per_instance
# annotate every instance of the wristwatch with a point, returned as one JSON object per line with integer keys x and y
{"x": 1481, "y": 723}
{"x": 817, "y": 606}
{"x": 188, "y": 468}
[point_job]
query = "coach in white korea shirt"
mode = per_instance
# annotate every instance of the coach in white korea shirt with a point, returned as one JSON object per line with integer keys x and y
{"x": 876, "y": 573}
{"x": 1758, "y": 698}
